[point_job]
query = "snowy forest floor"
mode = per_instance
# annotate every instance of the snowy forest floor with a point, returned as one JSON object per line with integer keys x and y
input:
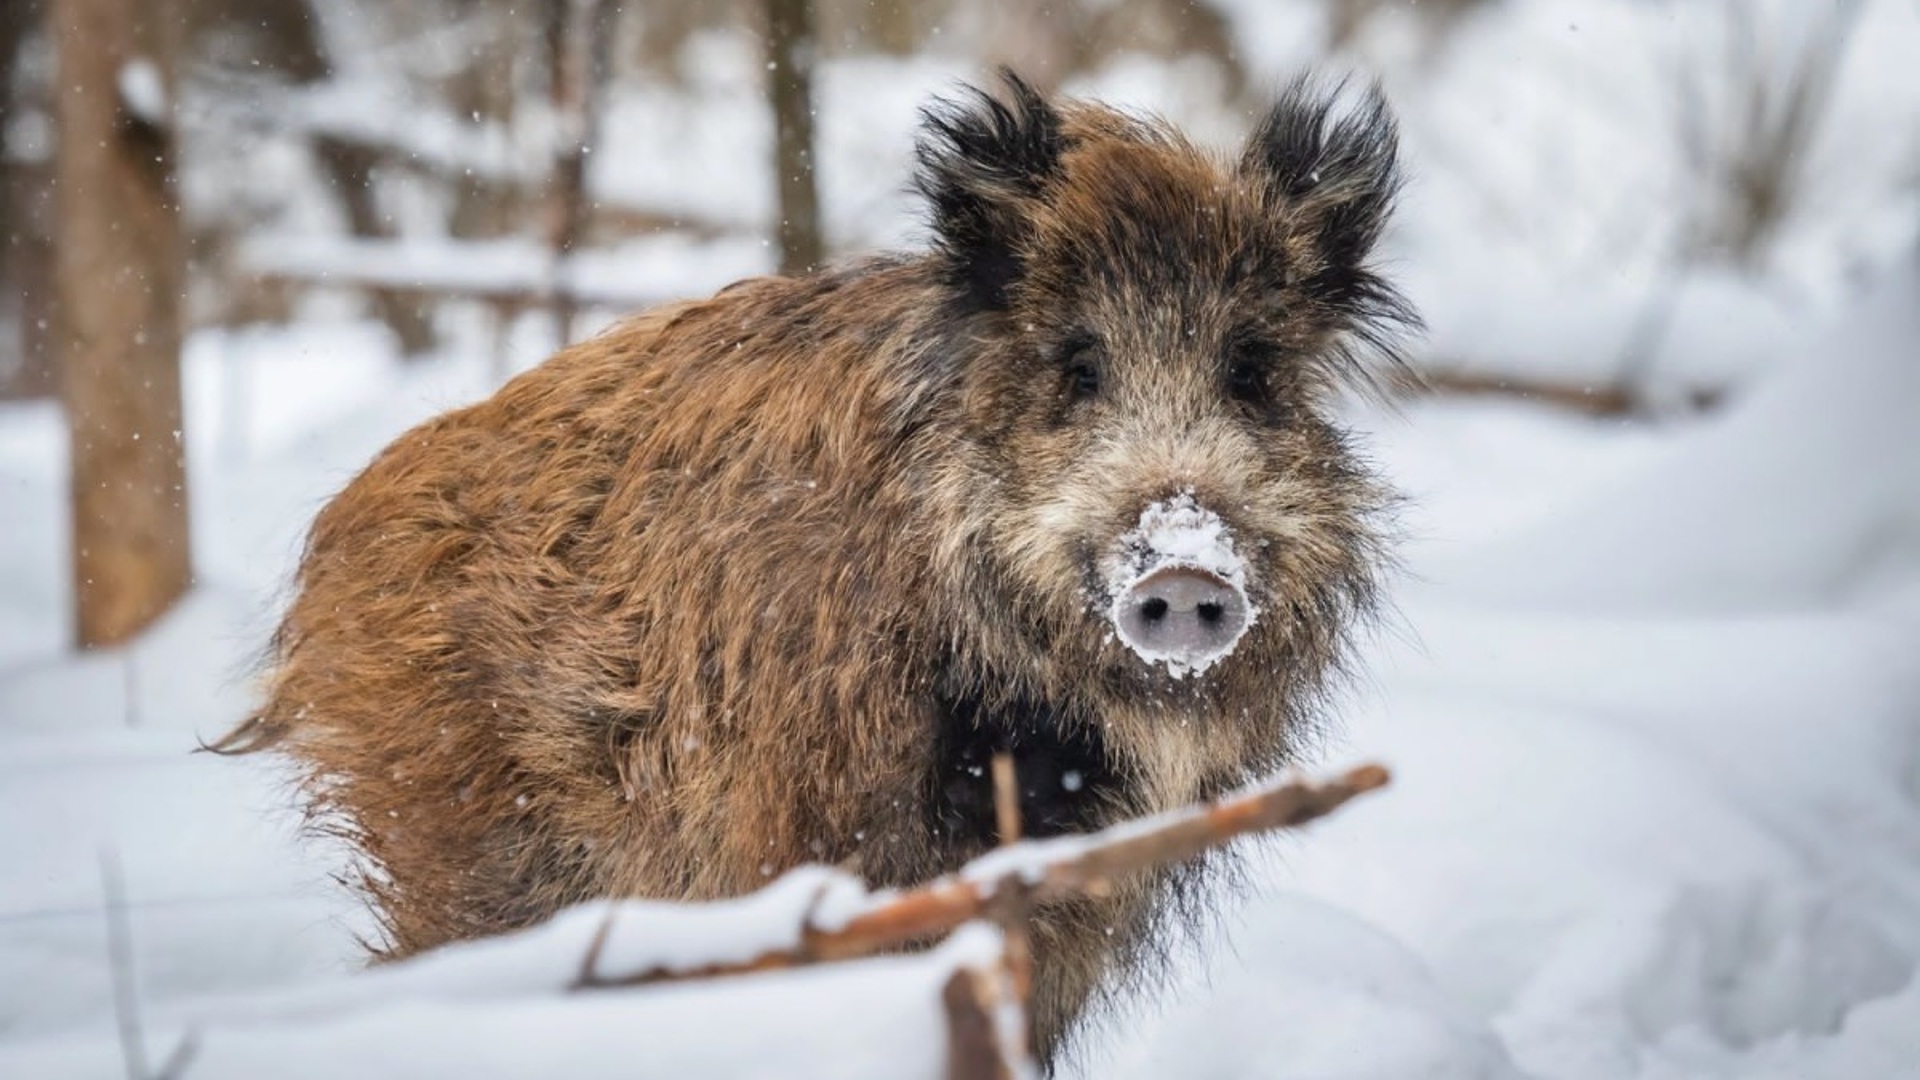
{"x": 1650, "y": 698}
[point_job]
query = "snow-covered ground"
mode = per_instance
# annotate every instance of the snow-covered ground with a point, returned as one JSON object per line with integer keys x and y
{"x": 1655, "y": 723}
{"x": 1651, "y": 695}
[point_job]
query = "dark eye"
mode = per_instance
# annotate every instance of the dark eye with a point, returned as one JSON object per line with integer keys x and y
{"x": 1083, "y": 381}
{"x": 1080, "y": 358}
{"x": 1247, "y": 379}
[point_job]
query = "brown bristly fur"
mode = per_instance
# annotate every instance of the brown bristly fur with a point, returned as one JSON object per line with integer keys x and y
{"x": 756, "y": 580}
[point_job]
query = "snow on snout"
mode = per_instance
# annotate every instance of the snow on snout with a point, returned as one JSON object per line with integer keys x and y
{"x": 1177, "y": 587}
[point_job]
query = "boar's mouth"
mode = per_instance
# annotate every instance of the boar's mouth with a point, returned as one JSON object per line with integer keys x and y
{"x": 1177, "y": 588}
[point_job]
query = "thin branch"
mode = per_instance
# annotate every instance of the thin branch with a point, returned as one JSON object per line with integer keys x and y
{"x": 176, "y": 1064}
{"x": 1614, "y": 398}
{"x": 1013, "y": 910}
{"x": 126, "y": 997}
{"x": 594, "y": 948}
{"x": 1006, "y": 799}
{"x": 1045, "y": 872}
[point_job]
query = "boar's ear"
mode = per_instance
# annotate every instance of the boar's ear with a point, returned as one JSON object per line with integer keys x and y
{"x": 982, "y": 164}
{"x": 1330, "y": 173}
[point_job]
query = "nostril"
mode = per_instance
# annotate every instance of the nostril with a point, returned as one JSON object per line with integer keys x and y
{"x": 1184, "y": 615}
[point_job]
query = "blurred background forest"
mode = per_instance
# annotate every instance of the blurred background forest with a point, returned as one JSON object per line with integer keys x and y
{"x": 1649, "y": 687}
{"x": 1611, "y": 204}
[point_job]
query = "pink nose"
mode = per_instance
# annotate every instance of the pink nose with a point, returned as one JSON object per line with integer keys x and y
{"x": 1182, "y": 612}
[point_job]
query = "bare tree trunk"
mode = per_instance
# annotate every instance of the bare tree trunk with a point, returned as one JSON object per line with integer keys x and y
{"x": 292, "y": 30}
{"x": 578, "y": 34}
{"x": 790, "y": 55}
{"x": 349, "y": 168}
{"x": 118, "y": 282}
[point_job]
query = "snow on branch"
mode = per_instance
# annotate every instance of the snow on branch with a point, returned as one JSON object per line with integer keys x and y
{"x": 836, "y": 927}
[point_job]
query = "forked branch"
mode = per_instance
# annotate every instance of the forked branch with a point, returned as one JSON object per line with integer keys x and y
{"x": 1037, "y": 872}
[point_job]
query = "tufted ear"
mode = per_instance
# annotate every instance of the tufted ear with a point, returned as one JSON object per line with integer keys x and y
{"x": 1331, "y": 174}
{"x": 983, "y": 163}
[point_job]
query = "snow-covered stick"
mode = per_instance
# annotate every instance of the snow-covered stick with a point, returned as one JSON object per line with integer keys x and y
{"x": 1038, "y": 872}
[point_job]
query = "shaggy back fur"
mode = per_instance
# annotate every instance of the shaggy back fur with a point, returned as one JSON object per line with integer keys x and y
{"x": 765, "y": 579}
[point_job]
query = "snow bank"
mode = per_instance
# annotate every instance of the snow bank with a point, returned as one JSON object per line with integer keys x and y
{"x": 1633, "y": 846}
{"x": 501, "y": 1009}
{"x": 1805, "y": 492}
{"x": 1310, "y": 993}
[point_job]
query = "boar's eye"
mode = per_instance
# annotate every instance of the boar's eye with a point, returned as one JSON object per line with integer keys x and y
{"x": 1248, "y": 369}
{"x": 1080, "y": 359}
{"x": 1084, "y": 381}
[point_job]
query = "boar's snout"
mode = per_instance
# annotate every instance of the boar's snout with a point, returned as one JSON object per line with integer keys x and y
{"x": 1183, "y": 614}
{"x": 1178, "y": 587}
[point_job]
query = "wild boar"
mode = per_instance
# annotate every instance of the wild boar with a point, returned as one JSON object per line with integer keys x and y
{"x": 766, "y": 578}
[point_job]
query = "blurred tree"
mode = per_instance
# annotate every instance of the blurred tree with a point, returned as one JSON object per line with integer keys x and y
{"x": 791, "y": 50}
{"x": 898, "y": 28}
{"x": 26, "y": 251}
{"x": 578, "y": 34}
{"x": 277, "y": 36}
{"x": 1047, "y": 44}
{"x": 248, "y": 44}
{"x": 118, "y": 283}
{"x": 1347, "y": 19}
{"x": 1748, "y": 137}
{"x": 292, "y": 30}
